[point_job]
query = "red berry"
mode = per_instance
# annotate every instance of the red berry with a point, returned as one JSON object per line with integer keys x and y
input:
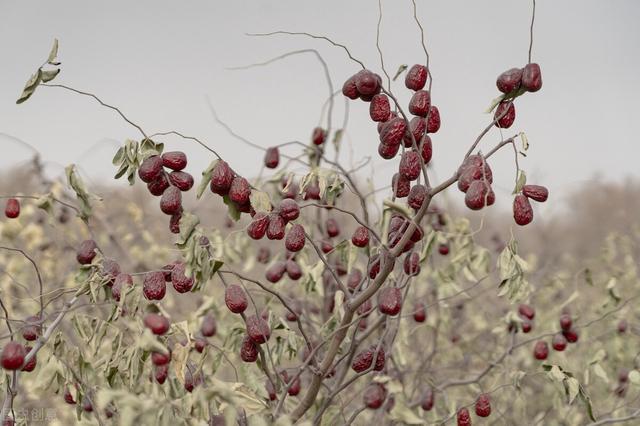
{"x": 235, "y": 299}
{"x": 565, "y": 321}
{"x": 416, "y": 77}
{"x": 536, "y": 192}
{"x": 258, "y": 226}
{"x": 427, "y": 400}
{"x": 240, "y": 190}
{"x": 387, "y": 152}
{"x": 295, "y": 238}
{"x": 208, "y": 326}
{"x": 483, "y": 405}
{"x": 276, "y": 228}
{"x": 366, "y": 308}
{"x": 427, "y": 150}
{"x": 272, "y": 157}
{"x": 32, "y": 328}
{"x": 360, "y": 237}
{"x": 349, "y": 88}
{"x": 367, "y": 83}
{"x": 532, "y": 77}
{"x": 158, "y": 358}
{"x": 200, "y": 344}
{"x": 505, "y": 115}
{"x": 312, "y": 192}
{"x": 374, "y": 267}
{"x": 433, "y": 124}
{"x": 417, "y": 195}
{"x": 571, "y": 335}
{"x": 333, "y": 229}
{"x": 410, "y": 167}
{"x": 13, "y": 355}
{"x": 420, "y": 103}
{"x": 541, "y": 350}
{"x": 289, "y": 209}
{"x": 248, "y": 350}
{"x": 526, "y": 311}
{"x": 161, "y": 373}
{"x": 472, "y": 169}
{"x": 181, "y": 283}
{"x": 374, "y": 396}
{"x": 522, "y": 211}
{"x": 411, "y": 264}
{"x": 86, "y": 404}
{"x": 275, "y": 272}
{"x": 174, "y": 222}
{"x": 326, "y": 247}
{"x": 12, "y": 209}
{"x": 419, "y": 312}
{"x": 417, "y": 129}
{"x": 527, "y": 326}
{"x": 293, "y": 270}
{"x": 443, "y": 249}
{"x": 121, "y": 280}
{"x": 379, "y": 109}
{"x": 158, "y": 185}
{"x": 174, "y": 160}
{"x": 150, "y": 168}
{"x": 157, "y": 323}
{"x": 622, "y": 326}
{"x": 171, "y": 201}
{"x": 86, "y": 252}
{"x": 355, "y": 277}
{"x": 364, "y": 359}
{"x": 221, "y": 178}
{"x": 478, "y": 195}
{"x": 182, "y": 180}
{"x": 393, "y": 131}
{"x": 463, "y": 417}
{"x": 318, "y": 136}
{"x": 390, "y": 300}
{"x": 559, "y": 342}
{"x": 258, "y": 329}
{"x": 68, "y": 397}
{"x": 509, "y": 80}
{"x": 154, "y": 286}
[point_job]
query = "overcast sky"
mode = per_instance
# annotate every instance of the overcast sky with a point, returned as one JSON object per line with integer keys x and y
{"x": 158, "y": 60}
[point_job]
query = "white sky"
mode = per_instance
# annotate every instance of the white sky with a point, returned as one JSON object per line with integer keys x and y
{"x": 157, "y": 60}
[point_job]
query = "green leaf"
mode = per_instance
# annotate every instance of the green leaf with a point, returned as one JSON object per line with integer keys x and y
{"x": 525, "y": 141}
{"x": 206, "y": 178}
{"x": 30, "y": 86}
{"x": 50, "y": 75}
{"x": 53, "y": 54}
{"x": 119, "y": 157}
{"x": 520, "y": 182}
{"x": 84, "y": 197}
{"x": 233, "y": 211}
{"x": 401, "y": 69}
{"x": 260, "y": 201}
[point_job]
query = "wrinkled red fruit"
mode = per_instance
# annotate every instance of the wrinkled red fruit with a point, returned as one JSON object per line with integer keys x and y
{"x": 258, "y": 226}
{"x": 199, "y": 345}
{"x": 150, "y": 168}
{"x": 379, "y": 109}
{"x": 419, "y": 312}
{"x": 312, "y": 192}
{"x": 410, "y": 167}
{"x": 443, "y": 249}
{"x": 559, "y": 342}
{"x": 390, "y": 300}
{"x": 360, "y": 237}
{"x": 333, "y": 229}
{"x": 411, "y": 264}
{"x": 174, "y": 222}
{"x": 208, "y": 326}
{"x": 171, "y": 201}
{"x": 536, "y": 192}
{"x": 483, "y": 405}
{"x": 416, "y": 77}
{"x": 275, "y": 230}
{"x": 32, "y": 328}
{"x": 374, "y": 396}
{"x": 565, "y": 322}
{"x": 349, "y": 88}
{"x": 119, "y": 282}
{"x": 364, "y": 359}
{"x": 248, "y": 350}
{"x": 181, "y": 180}
{"x": 571, "y": 335}
{"x": 527, "y": 326}
{"x": 393, "y": 131}
{"x": 240, "y": 190}
{"x": 12, "y": 209}
{"x": 472, "y": 169}
{"x": 157, "y": 323}
{"x": 158, "y": 185}
{"x": 161, "y": 373}
{"x": 427, "y": 150}
{"x": 258, "y": 329}
{"x": 235, "y": 298}
{"x": 532, "y": 77}
{"x": 374, "y": 267}
{"x": 318, "y": 136}
{"x": 275, "y": 272}
{"x": 417, "y": 129}
{"x": 181, "y": 283}
{"x": 353, "y": 281}
{"x": 174, "y": 160}
{"x": 326, "y": 247}
{"x": 154, "y": 286}
{"x": 158, "y": 358}
{"x": 526, "y": 311}
{"x": 32, "y": 363}
{"x": 221, "y": 178}
{"x": 506, "y": 112}
{"x": 388, "y": 152}
{"x": 420, "y": 103}
{"x": 293, "y": 270}
{"x": 478, "y": 195}
{"x": 509, "y": 80}
{"x": 110, "y": 269}
{"x": 12, "y": 356}
{"x": 272, "y": 157}
{"x": 295, "y": 238}
{"x": 463, "y": 417}
{"x": 427, "y": 400}
{"x": 433, "y": 123}
{"x": 367, "y": 83}
{"x": 86, "y": 252}
{"x": 289, "y": 209}
{"x": 541, "y": 350}
{"x": 417, "y": 195}
{"x": 522, "y": 210}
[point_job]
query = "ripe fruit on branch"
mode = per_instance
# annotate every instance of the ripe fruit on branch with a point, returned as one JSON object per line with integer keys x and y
{"x": 360, "y": 237}
{"x": 541, "y": 350}
{"x": 174, "y": 222}
{"x": 427, "y": 400}
{"x": 12, "y": 208}
{"x": 272, "y": 157}
{"x": 13, "y": 355}
{"x": 171, "y": 201}
{"x": 86, "y": 404}
{"x": 181, "y": 283}
{"x": 387, "y": 152}
{"x": 235, "y": 299}
{"x": 417, "y": 128}
{"x": 509, "y": 80}
{"x": 433, "y": 124}
{"x": 443, "y": 249}
{"x": 374, "y": 396}
{"x": 483, "y": 405}
{"x": 174, "y": 160}
{"x": 367, "y": 83}
{"x": 32, "y": 328}
{"x": 478, "y": 195}
{"x": 393, "y": 131}
{"x": 416, "y": 77}
{"x": 158, "y": 358}
{"x": 295, "y": 238}
{"x": 318, "y": 136}
{"x": 333, "y": 229}
{"x": 86, "y": 252}
{"x": 463, "y": 417}
{"x": 571, "y": 335}
{"x": 527, "y": 326}
{"x": 364, "y": 359}
{"x": 349, "y": 88}
{"x": 326, "y": 247}
{"x": 420, "y": 103}
{"x": 157, "y": 323}
{"x": 505, "y": 115}
{"x": 294, "y": 271}
{"x": 390, "y": 300}
{"x": 276, "y": 228}
{"x": 419, "y": 312}
{"x": 240, "y": 190}
{"x": 248, "y": 350}
{"x": 559, "y": 342}
{"x": 411, "y": 264}
{"x": 374, "y": 267}
{"x": 161, "y": 373}
{"x": 565, "y": 322}
{"x": 68, "y": 397}
{"x": 258, "y": 226}
{"x": 182, "y": 180}
{"x": 110, "y": 269}
{"x": 33, "y": 362}
{"x": 119, "y": 282}
{"x": 199, "y": 344}
{"x": 526, "y": 311}
{"x": 208, "y": 327}
{"x": 472, "y": 169}
{"x": 522, "y": 210}
{"x": 532, "y": 77}
{"x": 312, "y": 192}
{"x": 365, "y": 309}
{"x": 410, "y": 167}
{"x": 258, "y": 329}
{"x": 289, "y": 209}
{"x": 221, "y": 178}
{"x": 276, "y": 271}
{"x": 150, "y": 168}
{"x": 154, "y": 286}
{"x": 536, "y": 192}
{"x": 379, "y": 109}
{"x": 417, "y": 195}
{"x": 158, "y": 185}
